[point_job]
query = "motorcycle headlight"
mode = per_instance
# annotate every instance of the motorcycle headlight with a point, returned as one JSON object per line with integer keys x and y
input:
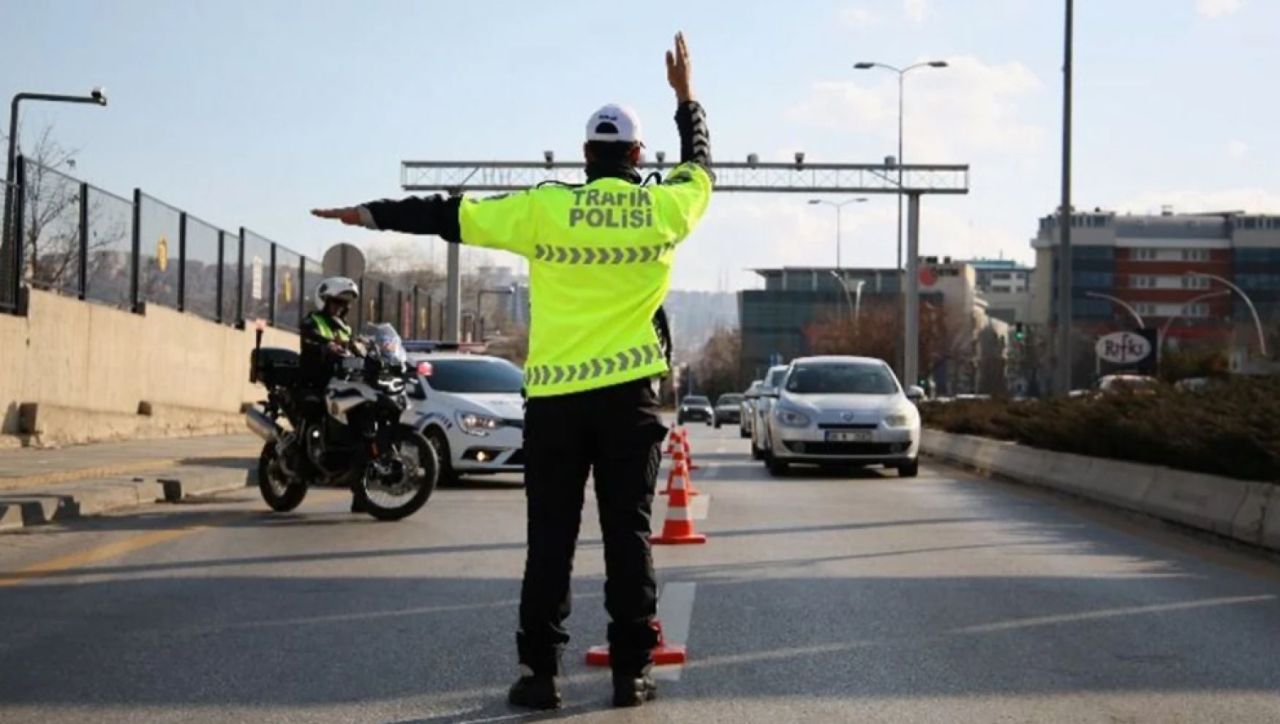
{"x": 474, "y": 424}
{"x": 791, "y": 418}
{"x": 898, "y": 419}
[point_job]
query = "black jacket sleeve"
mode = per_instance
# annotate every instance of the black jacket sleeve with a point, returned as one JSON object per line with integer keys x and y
{"x": 436, "y": 215}
{"x": 695, "y": 138}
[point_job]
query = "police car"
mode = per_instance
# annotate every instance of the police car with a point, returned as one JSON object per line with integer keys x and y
{"x": 471, "y": 409}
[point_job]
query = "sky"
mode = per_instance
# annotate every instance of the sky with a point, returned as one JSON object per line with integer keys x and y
{"x": 251, "y": 112}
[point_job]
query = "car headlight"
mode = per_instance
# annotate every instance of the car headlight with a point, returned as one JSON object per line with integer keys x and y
{"x": 791, "y": 418}
{"x": 901, "y": 418}
{"x": 474, "y": 424}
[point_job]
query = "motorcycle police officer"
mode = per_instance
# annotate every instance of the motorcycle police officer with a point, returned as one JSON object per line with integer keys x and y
{"x": 600, "y": 260}
{"x": 326, "y": 339}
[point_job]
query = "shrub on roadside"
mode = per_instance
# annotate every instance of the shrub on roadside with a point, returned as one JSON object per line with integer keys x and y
{"x": 1232, "y": 428}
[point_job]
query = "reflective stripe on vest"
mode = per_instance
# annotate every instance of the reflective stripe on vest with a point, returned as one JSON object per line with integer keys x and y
{"x": 593, "y": 255}
{"x": 636, "y": 357}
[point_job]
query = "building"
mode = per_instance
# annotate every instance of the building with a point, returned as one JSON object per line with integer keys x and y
{"x": 777, "y": 321}
{"x": 1005, "y": 285}
{"x": 774, "y": 319}
{"x": 1154, "y": 263}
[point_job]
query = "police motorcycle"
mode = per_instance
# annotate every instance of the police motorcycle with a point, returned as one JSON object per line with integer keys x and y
{"x": 360, "y": 441}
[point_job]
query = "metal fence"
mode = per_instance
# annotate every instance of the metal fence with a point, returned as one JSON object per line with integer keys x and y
{"x": 67, "y": 236}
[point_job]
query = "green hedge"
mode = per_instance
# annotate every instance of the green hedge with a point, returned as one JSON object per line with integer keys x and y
{"x": 1231, "y": 428}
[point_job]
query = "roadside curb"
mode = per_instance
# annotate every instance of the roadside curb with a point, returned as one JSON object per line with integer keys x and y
{"x": 29, "y": 508}
{"x": 1245, "y": 511}
{"x": 19, "y": 483}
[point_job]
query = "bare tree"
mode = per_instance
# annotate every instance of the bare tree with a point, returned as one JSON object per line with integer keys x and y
{"x": 51, "y": 219}
{"x": 717, "y": 370}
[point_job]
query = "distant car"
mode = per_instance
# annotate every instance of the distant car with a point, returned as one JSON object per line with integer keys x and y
{"x": 1193, "y": 384}
{"x": 1137, "y": 384}
{"x": 760, "y": 425}
{"x": 836, "y": 409}
{"x": 728, "y": 409}
{"x": 747, "y": 412}
{"x": 695, "y": 408}
{"x": 472, "y": 410}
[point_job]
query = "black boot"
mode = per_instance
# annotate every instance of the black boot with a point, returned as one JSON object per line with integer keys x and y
{"x": 535, "y": 692}
{"x": 633, "y": 690}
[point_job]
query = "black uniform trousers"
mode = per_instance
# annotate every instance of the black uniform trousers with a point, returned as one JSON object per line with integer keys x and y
{"x": 614, "y": 433}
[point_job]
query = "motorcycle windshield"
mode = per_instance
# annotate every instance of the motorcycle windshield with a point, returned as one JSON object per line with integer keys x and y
{"x": 387, "y": 343}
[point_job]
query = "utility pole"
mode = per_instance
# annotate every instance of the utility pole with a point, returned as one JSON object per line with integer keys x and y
{"x": 1064, "y": 219}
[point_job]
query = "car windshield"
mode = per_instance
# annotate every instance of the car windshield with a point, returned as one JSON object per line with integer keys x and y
{"x": 696, "y": 401}
{"x": 734, "y": 399}
{"x": 776, "y": 377}
{"x": 848, "y": 379}
{"x": 481, "y": 374}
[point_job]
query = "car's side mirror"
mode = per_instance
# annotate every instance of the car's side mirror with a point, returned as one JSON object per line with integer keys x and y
{"x": 770, "y": 393}
{"x": 915, "y": 393}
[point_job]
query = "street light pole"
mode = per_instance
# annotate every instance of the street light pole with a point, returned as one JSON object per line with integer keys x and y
{"x": 97, "y": 96}
{"x": 1121, "y": 303}
{"x": 1164, "y": 328}
{"x": 1257, "y": 321}
{"x": 839, "y": 207}
{"x": 902, "y": 73}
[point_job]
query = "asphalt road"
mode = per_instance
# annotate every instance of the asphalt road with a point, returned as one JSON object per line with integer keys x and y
{"x": 819, "y": 597}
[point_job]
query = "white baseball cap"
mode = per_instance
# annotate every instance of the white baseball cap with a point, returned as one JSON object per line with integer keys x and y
{"x": 614, "y": 123}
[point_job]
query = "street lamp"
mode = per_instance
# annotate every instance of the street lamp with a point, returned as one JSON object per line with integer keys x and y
{"x": 1257, "y": 321}
{"x": 1121, "y": 303}
{"x": 902, "y": 74}
{"x": 1164, "y": 328}
{"x": 839, "y": 207}
{"x": 98, "y": 96}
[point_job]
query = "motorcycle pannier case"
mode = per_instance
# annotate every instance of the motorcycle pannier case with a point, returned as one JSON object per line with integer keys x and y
{"x": 274, "y": 366}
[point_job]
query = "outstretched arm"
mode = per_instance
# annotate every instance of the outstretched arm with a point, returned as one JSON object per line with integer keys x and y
{"x": 436, "y": 215}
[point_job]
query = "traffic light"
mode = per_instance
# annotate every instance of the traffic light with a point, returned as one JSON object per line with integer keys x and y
{"x": 1019, "y": 332}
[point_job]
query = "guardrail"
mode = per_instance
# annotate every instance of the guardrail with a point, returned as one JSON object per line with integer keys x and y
{"x": 71, "y": 237}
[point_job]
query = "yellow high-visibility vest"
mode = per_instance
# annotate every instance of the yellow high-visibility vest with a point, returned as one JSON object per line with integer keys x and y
{"x": 600, "y": 259}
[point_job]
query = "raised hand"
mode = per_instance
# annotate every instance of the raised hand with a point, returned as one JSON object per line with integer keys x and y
{"x": 678, "y": 71}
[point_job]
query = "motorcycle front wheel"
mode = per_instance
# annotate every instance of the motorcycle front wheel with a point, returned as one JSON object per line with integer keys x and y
{"x": 403, "y": 489}
{"x": 280, "y": 493}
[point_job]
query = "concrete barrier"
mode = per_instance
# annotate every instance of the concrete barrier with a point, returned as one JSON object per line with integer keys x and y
{"x": 1238, "y": 509}
{"x": 1208, "y": 502}
{"x": 73, "y": 372}
{"x": 1271, "y": 520}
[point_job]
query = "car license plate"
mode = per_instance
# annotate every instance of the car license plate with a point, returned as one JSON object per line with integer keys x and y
{"x": 848, "y": 435}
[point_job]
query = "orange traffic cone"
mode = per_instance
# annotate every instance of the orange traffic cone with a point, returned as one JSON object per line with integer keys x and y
{"x": 688, "y": 451}
{"x": 673, "y": 441}
{"x": 679, "y": 467}
{"x": 677, "y": 529}
{"x": 664, "y": 654}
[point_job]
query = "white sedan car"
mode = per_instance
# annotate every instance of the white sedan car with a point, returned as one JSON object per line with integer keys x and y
{"x": 473, "y": 412}
{"x": 843, "y": 410}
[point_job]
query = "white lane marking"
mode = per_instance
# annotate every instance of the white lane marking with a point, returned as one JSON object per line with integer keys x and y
{"x": 1109, "y": 613}
{"x": 675, "y": 611}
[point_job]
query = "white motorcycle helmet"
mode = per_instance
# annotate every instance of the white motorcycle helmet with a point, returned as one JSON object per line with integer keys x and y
{"x": 336, "y": 288}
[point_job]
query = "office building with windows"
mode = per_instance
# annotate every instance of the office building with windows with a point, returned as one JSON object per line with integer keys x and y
{"x": 1163, "y": 266}
{"x": 1005, "y": 285}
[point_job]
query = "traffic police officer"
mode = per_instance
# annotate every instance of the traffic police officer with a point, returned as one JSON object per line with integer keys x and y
{"x": 326, "y": 338}
{"x": 600, "y": 260}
